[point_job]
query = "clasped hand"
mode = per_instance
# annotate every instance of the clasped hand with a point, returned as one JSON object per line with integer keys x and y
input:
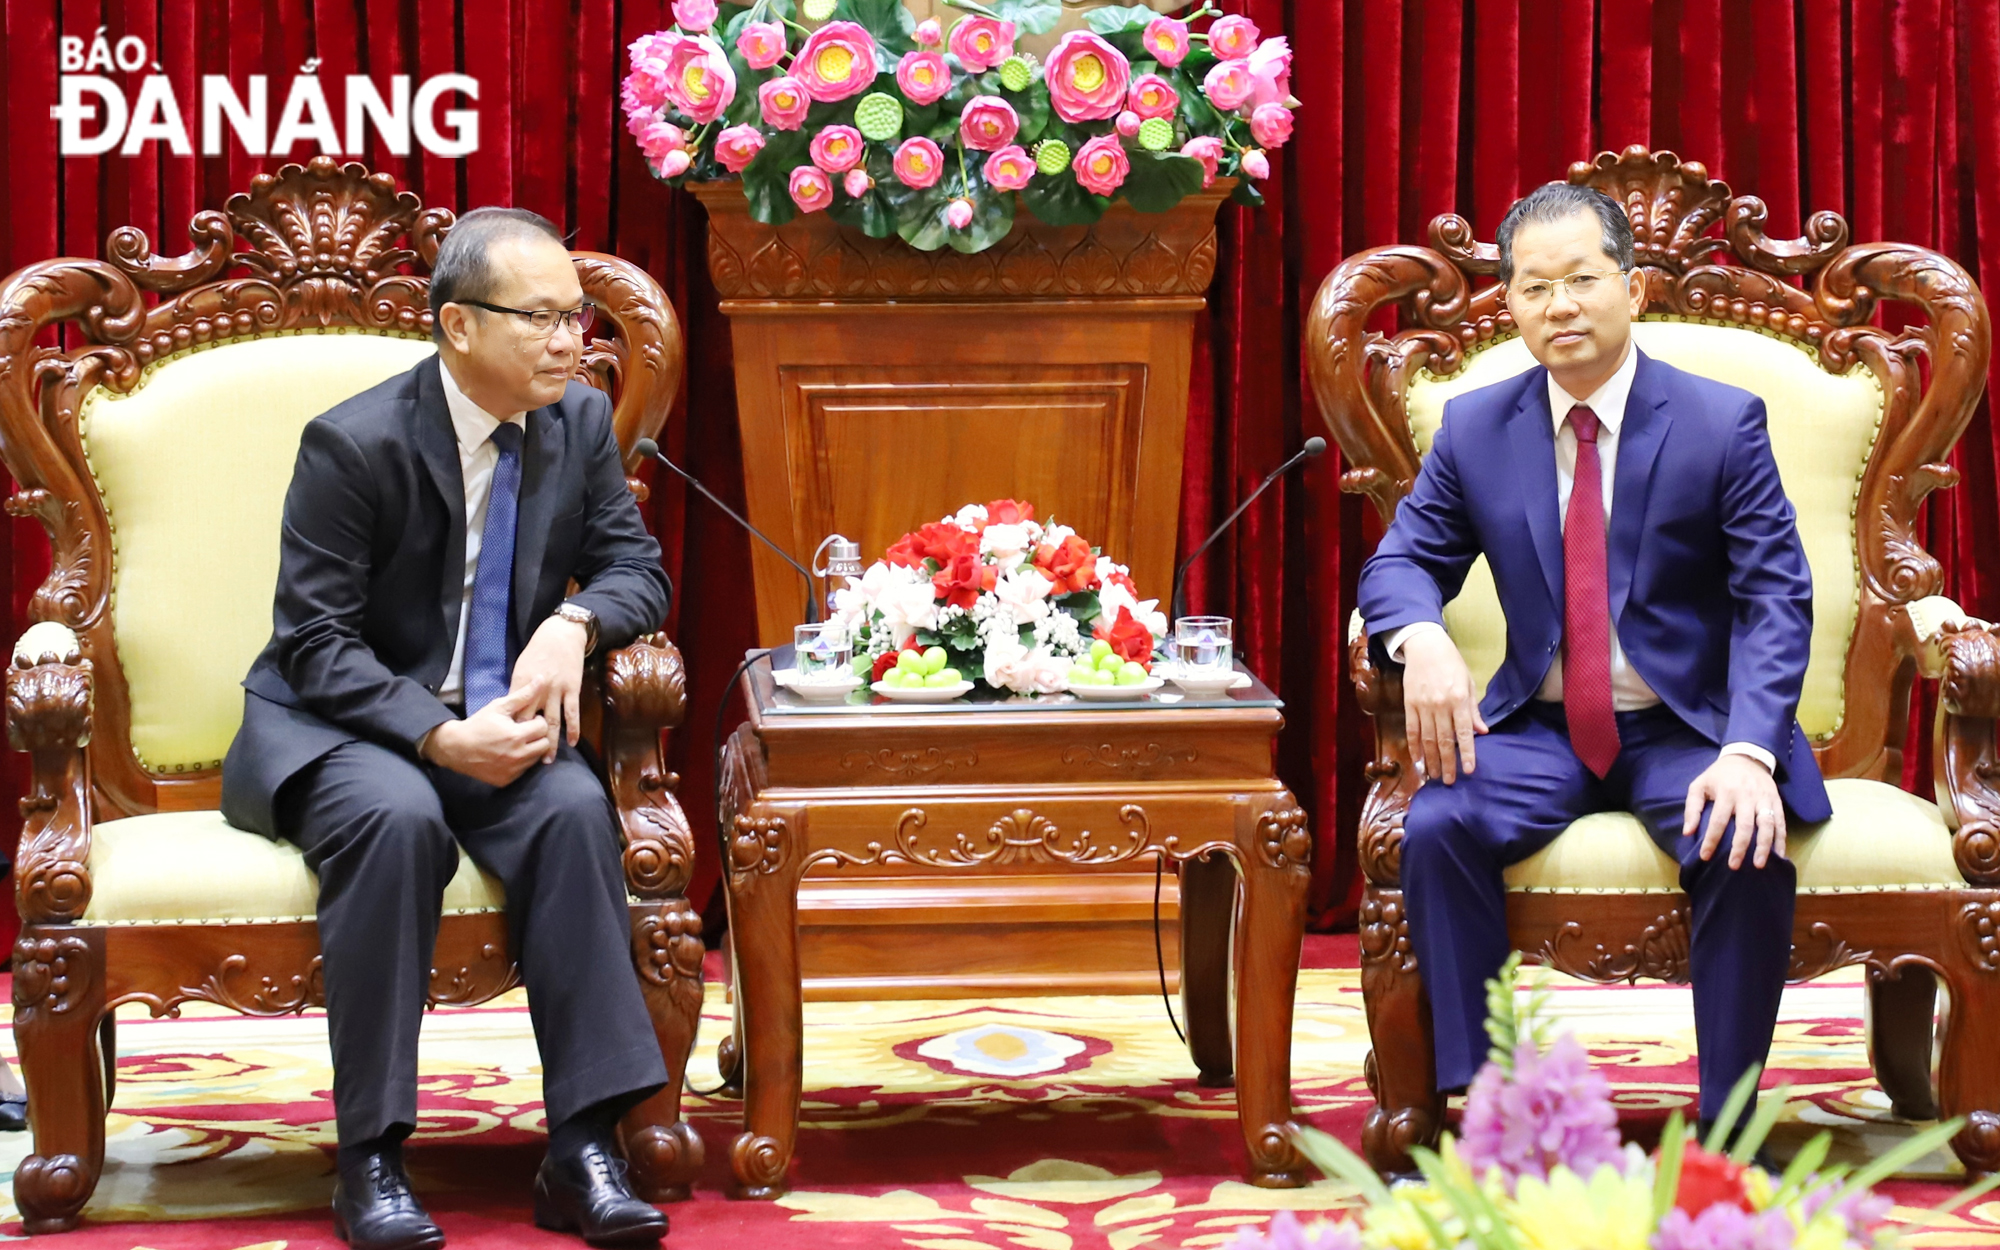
{"x": 497, "y": 743}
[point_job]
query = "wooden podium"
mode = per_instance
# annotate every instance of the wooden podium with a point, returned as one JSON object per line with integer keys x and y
{"x": 879, "y": 388}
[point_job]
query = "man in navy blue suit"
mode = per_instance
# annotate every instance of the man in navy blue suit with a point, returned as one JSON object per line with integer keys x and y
{"x": 1659, "y": 609}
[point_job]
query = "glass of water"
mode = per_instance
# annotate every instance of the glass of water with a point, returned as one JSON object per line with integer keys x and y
{"x": 1203, "y": 647}
{"x": 823, "y": 651}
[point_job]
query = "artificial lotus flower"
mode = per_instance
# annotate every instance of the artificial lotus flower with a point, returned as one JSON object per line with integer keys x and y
{"x": 857, "y": 183}
{"x": 1101, "y": 166}
{"x": 762, "y": 44}
{"x": 1208, "y": 150}
{"x": 782, "y": 102}
{"x": 1270, "y": 69}
{"x": 923, "y": 76}
{"x": 1152, "y": 96}
{"x": 958, "y": 213}
{"x": 837, "y": 149}
{"x": 671, "y": 165}
{"x": 1229, "y": 85}
{"x": 1271, "y": 125}
{"x": 1009, "y": 169}
{"x": 980, "y": 43}
{"x": 1232, "y": 37}
{"x": 695, "y": 15}
{"x": 811, "y": 189}
{"x": 1127, "y": 124}
{"x": 1167, "y": 39}
{"x": 1256, "y": 165}
{"x": 919, "y": 163}
{"x": 836, "y": 61}
{"x": 988, "y": 123}
{"x": 737, "y": 146}
{"x": 929, "y": 33}
{"x": 698, "y": 80}
{"x": 658, "y": 138}
{"x": 1087, "y": 78}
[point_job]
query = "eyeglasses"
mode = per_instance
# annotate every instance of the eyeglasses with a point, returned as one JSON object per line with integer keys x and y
{"x": 545, "y": 320}
{"x": 1581, "y": 286}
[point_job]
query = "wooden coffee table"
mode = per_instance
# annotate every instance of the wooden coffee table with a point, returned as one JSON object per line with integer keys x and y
{"x": 1025, "y": 791}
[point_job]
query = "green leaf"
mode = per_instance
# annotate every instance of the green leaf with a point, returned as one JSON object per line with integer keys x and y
{"x": 1062, "y": 201}
{"x": 767, "y": 180}
{"x": 1905, "y": 1152}
{"x": 1033, "y": 17}
{"x": 1331, "y": 1156}
{"x": 1739, "y": 1098}
{"x": 1081, "y": 604}
{"x": 1246, "y": 192}
{"x": 870, "y": 214}
{"x": 1116, "y": 21}
{"x": 1753, "y": 1135}
{"x": 1032, "y": 106}
{"x": 1804, "y": 1164}
{"x": 1160, "y": 180}
{"x": 892, "y": 24}
{"x": 1667, "y": 1171}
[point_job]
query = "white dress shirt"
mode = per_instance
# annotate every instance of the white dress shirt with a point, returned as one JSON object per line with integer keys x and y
{"x": 1629, "y": 691}
{"x": 477, "y": 457}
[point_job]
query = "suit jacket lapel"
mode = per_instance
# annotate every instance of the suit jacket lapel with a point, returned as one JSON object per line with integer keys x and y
{"x": 1533, "y": 433}
{"x": 437, "y": 444}
{"x": 1639, "y": 439}
{"x": 541, "y": 481}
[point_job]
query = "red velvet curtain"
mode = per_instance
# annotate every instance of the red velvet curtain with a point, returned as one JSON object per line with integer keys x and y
{"x": 1880, "y": 109}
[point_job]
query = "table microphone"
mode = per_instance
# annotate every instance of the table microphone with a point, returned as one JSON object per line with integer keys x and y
{"x": 1313, "y": 447}
{"x": 651, "y": 450}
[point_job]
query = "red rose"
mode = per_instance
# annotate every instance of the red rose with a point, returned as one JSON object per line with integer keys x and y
{"x": 883, "y": 663}
{"x": 1125, "y": 580}
{"x": 1128, "y": 638}
{"x": 940, "y": 541}
{"x": 1072, "y": 566}
{"x": 1009, "y": 512}
{"x": 1707, "y": 1179}
{"x": 960, "y": 581}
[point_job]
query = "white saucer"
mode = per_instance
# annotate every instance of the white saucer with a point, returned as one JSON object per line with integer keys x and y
{"x": 1210, "y": 687}
{"x": 1117, "y": 694}
{"x": 817, "y": 689}
{"x": 922, "y": 694}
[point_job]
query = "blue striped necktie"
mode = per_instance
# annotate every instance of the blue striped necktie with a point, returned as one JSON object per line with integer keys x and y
{"x": 486, "y": 675}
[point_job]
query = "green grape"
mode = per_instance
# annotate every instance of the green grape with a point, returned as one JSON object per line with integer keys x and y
{"x": 1099, "y": 649}
{"x": 935, "y": 659}
{"x": 894, "y": 678}
{"x": 1156, "y": 134}
{"x": 938, "y": 681}
{"x": 951, "y": 677}
{"x": 1052, "y": 156}
{"x": 910, "y": 661}
{"x": 1131, "y": 674}
{"x": 879, "y": 116}
{"x": 1110, "y": 662}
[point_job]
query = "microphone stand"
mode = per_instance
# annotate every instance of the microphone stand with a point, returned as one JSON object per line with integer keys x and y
{"x": 651, "y": 450}
{"x": 1313, "y": 447}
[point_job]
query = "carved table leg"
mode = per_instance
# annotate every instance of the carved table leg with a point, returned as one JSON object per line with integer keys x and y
{"x": 1276, "y": 853}
{"x": 729, "y": 1051}
{"x": 1968, "y": 1078}
{"x": 765, "y": 865}
{"x": 1208, "y": 914}
{"x": 58, "y": 1002}
{"x": 1403, "y": 1064}
{"x": 1899, "y": 1015}
{"x": 664, "y": 1151}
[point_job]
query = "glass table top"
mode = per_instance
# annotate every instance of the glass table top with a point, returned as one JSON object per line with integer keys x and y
{"x": 771, "y": 700}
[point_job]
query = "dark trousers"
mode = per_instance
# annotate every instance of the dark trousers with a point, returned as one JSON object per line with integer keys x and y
{"x": 1528, "y": 788}
{"x": 382, "y": 833}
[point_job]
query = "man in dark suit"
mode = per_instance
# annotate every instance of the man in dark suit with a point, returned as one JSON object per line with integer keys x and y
{"x": 420, "y": 692}
{"x": 1658, "y": 609}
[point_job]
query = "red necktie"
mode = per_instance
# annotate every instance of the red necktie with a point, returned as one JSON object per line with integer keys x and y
{"x": 1593, "y": 727}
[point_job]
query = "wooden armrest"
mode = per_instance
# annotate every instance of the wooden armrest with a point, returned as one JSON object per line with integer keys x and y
{"x": 1392, "y": 776}
{"x": 1964, "y": 655}
{"x": 645, "y": 692}
{"x": 48, "y": 716}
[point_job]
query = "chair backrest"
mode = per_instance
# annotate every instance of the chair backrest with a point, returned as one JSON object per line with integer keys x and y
{"x": 1859, "y": 438}
{"x": 157, "y": 445}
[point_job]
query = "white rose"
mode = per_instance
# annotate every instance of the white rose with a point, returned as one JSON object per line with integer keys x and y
{"x": 1024, "y": 593}
{"x": 970, "y": 517}
{"x": 1005, "y": 658}
{"x": 1008, "y": 545}
{"x": 1044, "y": 672}
{"x": 907, "y": 605}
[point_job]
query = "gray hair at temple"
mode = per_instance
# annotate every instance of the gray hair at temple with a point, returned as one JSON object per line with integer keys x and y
{"x": 464, "y": 266}
{"x": 1559, "y": 201}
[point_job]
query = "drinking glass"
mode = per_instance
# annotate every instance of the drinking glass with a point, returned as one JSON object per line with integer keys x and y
{"x": 823, "y": 651}
{"x": 1202, "y": 646}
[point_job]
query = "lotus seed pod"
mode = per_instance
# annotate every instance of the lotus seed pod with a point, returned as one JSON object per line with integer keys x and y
{"x": 1052, "y": 156}
{"x": 1156, "y": 134}
{"x": 1016, "y": 73}
{"x": 879, "y": 116}
{"x": 817, "y": 10}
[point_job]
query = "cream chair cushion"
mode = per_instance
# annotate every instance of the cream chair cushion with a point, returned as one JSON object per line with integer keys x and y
{"x": 1823, "y": 429}
{"x": 193, "y": 465}
{"x": 1879, "y": 838}
{"x": 193, "y": 867}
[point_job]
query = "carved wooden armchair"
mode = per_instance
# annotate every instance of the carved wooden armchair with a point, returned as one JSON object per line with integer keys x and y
{"x": 1901, "y": 886}
{"x": 157, "y": 449}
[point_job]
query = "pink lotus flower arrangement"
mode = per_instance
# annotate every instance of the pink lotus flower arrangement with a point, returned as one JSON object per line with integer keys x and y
{"x": 948, "y": 125}
{"x": 1538, "y": 1163}
{"x": 1013, "y": 600}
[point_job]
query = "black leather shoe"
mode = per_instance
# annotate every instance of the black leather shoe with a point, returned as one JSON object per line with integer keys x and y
{"x": 585, "y": 1193}
{"x": 13, "y": 1115}
{"x": 373, "y": 1208}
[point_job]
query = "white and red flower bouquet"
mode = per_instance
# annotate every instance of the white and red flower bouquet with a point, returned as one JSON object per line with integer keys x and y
{"x": 1013, "y": 601}
{"x": 936, "y": 134}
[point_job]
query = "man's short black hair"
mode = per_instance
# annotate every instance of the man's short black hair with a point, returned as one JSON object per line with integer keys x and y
{"x": 464, "y": 267}
{"x": 1559, "y": 201}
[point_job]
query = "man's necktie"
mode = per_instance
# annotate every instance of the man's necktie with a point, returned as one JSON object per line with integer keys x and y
{"x": 1593, "y": 726}
{"x": 486, "y": 675}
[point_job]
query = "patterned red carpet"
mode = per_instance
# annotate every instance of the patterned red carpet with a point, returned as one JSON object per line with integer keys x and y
{"x": 1041, "y": 1123}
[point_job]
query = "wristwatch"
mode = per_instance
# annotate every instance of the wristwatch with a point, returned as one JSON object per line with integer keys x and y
{"x": 577, "y": 613}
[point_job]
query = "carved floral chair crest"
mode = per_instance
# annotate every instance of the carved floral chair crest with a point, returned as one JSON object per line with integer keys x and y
{"x": 156, "y": 449}
{"x": 1861, "y": 419}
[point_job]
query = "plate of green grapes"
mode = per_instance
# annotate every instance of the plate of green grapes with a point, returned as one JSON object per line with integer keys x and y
{"x": 1105, "y": 676}
{"x": 922, "y": 677}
